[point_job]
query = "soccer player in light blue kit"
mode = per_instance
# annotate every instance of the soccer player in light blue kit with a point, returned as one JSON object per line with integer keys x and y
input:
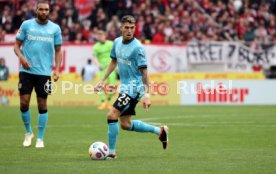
{"x": 41, "y": 42}
{"x": 129, "y": 55}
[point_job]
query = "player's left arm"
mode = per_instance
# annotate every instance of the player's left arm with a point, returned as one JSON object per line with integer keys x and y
{"x": 95, "y": 58}
{"x": 58, "y": 55}
{"x": 58, "y": 58}
{"x": 142, "y": 66}
{"x": 145, "y": 79}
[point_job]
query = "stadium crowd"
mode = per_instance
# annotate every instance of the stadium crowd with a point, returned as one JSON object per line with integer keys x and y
{"x": 158, "y": 21}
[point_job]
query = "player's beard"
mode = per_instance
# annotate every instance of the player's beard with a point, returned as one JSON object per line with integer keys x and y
{"x": 42, "y": 18}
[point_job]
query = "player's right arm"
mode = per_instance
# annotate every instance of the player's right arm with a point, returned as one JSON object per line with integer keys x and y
{"x": 20, "y": 37}
{"x": 111, "y": 67}
{"x": 25, "y": 63}
{"x": 96, "y": 57}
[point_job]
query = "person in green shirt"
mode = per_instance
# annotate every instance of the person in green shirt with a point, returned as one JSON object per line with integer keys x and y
{"x": 101, "y": 51}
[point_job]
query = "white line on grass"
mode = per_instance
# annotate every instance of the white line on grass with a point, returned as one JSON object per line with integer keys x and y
{"x": 175, "y": 117}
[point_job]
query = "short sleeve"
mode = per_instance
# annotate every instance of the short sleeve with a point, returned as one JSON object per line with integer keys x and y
{"x": 21, "y": 33}
{"x": 141, "y": 58}
{"x": 58, "y": 37}
{"x": 113, "y": 52}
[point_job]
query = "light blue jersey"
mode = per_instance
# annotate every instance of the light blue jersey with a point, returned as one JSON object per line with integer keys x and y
{"x": 39, "y": 43}
{"x": 130, "y": 58}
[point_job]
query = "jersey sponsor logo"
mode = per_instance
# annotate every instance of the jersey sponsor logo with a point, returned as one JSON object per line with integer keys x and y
{"x": 123, "y": 53}
{"x": 123, "y": 61}
{"x": 39, "y": 38}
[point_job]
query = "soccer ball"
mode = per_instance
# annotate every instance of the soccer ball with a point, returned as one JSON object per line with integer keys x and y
{"x": 98, "y": 151}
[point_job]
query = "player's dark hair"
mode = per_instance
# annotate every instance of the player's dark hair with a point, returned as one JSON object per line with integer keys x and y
{"x": 42, "y": 2}
{"x": 128, "y": 19}
{"x": 89, "y": 61}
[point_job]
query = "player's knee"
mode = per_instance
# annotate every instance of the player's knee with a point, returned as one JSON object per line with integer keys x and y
{"x": 24, "y": 106}
{"x": 112, "y": 115}
{"x": 125, "y": 125}
{"x": 42, "y": 107}
{"x": 42, "y": 104}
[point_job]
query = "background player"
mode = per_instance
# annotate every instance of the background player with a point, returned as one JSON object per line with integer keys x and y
{"x": 89, "y": 71}
{"x": 129, "y": 55}
{"x": 101, "y": 51}
{"x": 42, "y": 42}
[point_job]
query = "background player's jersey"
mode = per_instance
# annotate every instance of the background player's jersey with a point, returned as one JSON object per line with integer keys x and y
{"x": 39, "y": 43}
{"x": 102, "y": 52}
{"x": 130, "y": 57}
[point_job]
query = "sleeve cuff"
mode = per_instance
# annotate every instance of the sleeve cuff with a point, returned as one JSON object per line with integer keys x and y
{"x": 142, "y": 66}
{"x": 19, "y": 39}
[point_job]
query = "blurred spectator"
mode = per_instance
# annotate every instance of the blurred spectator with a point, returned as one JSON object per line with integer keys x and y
{"x": 114, "y": 24}
{"x": 158, "y": 21}
{"x": 4, "y": 70}
{"x": 1, "y": 34}
{"x": 4, "y": 74}
{"x": 4, "y": 100}
{"x": 17, "y": 19}
{"x": 249, "y": 34}
{"x": 159, "y": 36}
{"x": 271, "y": 74}
{"x": 89, "y": 71}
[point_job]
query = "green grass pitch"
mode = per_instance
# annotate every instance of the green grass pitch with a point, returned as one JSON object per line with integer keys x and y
{"x": 203, "y": 139}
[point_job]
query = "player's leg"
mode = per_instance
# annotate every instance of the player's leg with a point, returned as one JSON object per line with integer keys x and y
{"x": 25, "y": 88}
{"x": 26, "y": 118}
{"x": 113, "y": 130}
{"x": 140, "y": 126}
{"x": 102, "y": 94}
{"x": 25, "y": 112}
{"x": 42, "y": 121}
{"x": 137, "y": 125}
{"x": 42, "y": 107}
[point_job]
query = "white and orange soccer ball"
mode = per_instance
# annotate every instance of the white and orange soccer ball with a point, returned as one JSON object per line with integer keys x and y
{"x": 98, "y": 151}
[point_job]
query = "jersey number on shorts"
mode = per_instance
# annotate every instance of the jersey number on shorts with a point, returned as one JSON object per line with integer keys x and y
{"x": 123, "y": 100}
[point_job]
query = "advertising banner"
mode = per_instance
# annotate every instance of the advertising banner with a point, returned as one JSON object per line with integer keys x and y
{"x": 227, "y": 92}
{"x": 207, "y": 57}
{"x": 160, "y": 59}
{"x": 233, "y": 56}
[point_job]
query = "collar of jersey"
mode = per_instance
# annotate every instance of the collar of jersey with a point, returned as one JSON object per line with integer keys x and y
{"x": 128, "y": 41}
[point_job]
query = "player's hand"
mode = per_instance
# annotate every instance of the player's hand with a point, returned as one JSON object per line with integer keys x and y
{"x": 55, "y": 76}
{"x": 25, "y": 63}
{"x": 99, "y": 86}
{"x": 147, "y": 102}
